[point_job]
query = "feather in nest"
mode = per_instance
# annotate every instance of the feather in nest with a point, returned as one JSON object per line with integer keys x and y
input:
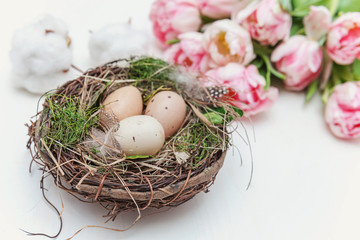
{"x": 103, "y": 140}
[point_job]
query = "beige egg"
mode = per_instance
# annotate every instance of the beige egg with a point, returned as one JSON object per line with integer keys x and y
{"x": 122, "y": 103}
{"x": 169, "y": 108}
{"x": 140, "y": 135}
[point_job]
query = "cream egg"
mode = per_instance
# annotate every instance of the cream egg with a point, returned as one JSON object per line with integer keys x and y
{"x": 169, "y": 108}
{"x": 140, "y": 135}
{"x": 122, "y": 103}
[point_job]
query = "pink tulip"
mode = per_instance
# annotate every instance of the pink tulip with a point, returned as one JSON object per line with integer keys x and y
{"x": 342, "y": 112}
{"x": 217, "y": 8}
{"x": 189, "y": 52}
{"x": 266, "y": 21}
{"x": 172, "y": 17}
{"x": 247, "y": 86}
{"x": 299, "y": 59}
{"x": 343, "y": 42}
{"x": 227, "y": 42}
{"x": 317, "y": 23}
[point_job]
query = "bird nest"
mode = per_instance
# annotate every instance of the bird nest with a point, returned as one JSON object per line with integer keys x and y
{"x": 186, "y": 165}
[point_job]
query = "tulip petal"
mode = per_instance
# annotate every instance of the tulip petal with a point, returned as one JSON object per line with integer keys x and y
{"x": 299, "y": 59}
{"x": 342, "y": 112}
{"x": 265, "y": 20}
{"x": 244, "y": 9}
{"x": 286, "y": 48}
{"x": 315, "y": 56}
{"x": 248, "y": 84}
{"x": 343, "y": 41}
{"x": 317, "y": 23}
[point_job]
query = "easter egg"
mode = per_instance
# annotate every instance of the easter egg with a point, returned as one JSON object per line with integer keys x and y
{"x": 140, "y": 135}
{"x": 122, "y": 103}
{"x": 169, "y": 108}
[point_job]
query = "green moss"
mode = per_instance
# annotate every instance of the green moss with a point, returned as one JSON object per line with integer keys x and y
{"x": 153, "y": 74}
{"x": 197, "y": 140}
{"x": 69, "y": 122}
{"x": 150, "y": 69}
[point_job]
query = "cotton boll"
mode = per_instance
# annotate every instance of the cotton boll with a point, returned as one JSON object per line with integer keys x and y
{"x": 41, "y": 55}
{"x": 117, "y": 41}
{"x": 39, "y": 84}
{"x": 54, "y": 24}
{"x": 45, "y": 24}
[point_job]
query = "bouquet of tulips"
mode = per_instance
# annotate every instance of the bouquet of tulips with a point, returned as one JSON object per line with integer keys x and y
{"x": 242, "y": 45}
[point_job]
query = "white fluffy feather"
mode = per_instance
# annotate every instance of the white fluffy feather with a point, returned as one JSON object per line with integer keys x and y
{"x": 104, "y": 142}
{"x": 191, "y": 85}
{"x": 40, "y": 55}
{"x": 117, "y": 41}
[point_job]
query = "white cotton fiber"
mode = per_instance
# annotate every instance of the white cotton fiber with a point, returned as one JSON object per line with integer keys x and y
{"x": 117, "y": 41}
{"x": 41, "y": 55}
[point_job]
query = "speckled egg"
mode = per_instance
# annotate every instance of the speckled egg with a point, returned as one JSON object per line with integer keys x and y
{"x": 122, "y": 103}
{"x": 140, "y": 135}
{"x": 169, "y": 108}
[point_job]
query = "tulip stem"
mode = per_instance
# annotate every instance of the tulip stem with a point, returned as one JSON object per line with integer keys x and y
{"x": 334, "y": 4}
{"x": 260, "y": 49}
{"x": 267, "y": 77}
{"x": 173, "y": 41}
{"x": 311, "y": 90}
{"x": 270, "y": 70}
{"x": 325, "y": 95}
{"x": 207, "y": 20}
{"x": 335, "y": 79}
{"x": 264, "y": 53}
{"x": 356, "y": 70}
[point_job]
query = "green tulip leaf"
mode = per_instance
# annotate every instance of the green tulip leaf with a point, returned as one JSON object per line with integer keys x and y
{"x": 349, "y": 6}
{"x": 311, "y": 91}
{"x": 286, "y": 5}
{"x": 356, "y": 69}
{"x": 302, "y": 7}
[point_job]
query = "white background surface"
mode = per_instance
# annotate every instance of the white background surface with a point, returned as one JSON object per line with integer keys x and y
{"x": 306, "y": 183}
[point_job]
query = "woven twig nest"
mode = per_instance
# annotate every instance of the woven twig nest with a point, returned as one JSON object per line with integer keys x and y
{"x": 186, "y": 165}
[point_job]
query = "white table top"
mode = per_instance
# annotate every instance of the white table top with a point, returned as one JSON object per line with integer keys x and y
{"x": 306, "y": 183}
